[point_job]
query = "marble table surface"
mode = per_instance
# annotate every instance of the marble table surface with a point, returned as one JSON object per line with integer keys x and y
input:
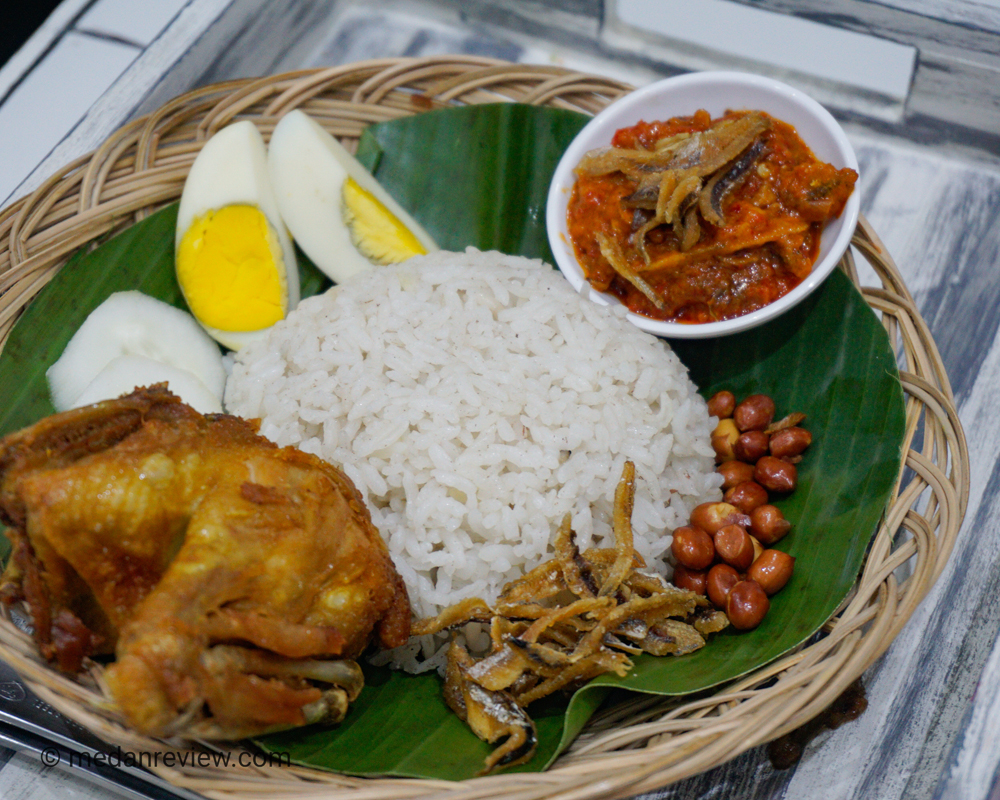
{"x": 932, "y": 727}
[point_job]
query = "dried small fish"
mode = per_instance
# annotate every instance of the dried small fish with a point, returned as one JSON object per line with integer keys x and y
{"x": 491, "y": 715}
{"x": 670, "y": 142}
{"x": 711, "y": 150}
{"x": 542, "y": 582}
{"x": 704, "y": 152}
{"x": 672, "y": 638}
{"x": 708, "y": 620}
{"x": 647, "y": 192}
{"x": 576, "y": 571}
{"x": 613, "y": 253}
{"x": 724, "y": 182}
{"x": 581, "y": 672}
{"x": 690, "y": 230}
{"x": 592, "y": 612}
{"x": 622, "y": 525}
{"x": 683, "y": 177}
{"x": 468, "y": 610}
{"x": 683, "y": 196}
{"x": 667, "y": 187}
{"x": 608, "y": 160}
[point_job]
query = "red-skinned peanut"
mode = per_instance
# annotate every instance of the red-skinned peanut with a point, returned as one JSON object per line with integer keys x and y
{"x": 693, "y": 547}
{"x": 694, "y": 580}
{"x": 721, "y": 578}
{"x": 772, "y": 569}
{"x": 746, "y": 605}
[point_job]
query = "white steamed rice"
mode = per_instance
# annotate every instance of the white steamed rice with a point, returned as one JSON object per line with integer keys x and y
{"x": 474, "y": 399}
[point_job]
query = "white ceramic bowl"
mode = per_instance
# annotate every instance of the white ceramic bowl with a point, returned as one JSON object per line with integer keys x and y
{"x": 716, "y": 92}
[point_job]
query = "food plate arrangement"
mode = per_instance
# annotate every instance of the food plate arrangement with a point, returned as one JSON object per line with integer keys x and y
{"x": 635, "y": 742}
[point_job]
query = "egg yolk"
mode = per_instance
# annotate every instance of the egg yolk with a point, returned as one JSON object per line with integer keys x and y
{"x": 231, "y": 270}
{"x": 375, "y": 230}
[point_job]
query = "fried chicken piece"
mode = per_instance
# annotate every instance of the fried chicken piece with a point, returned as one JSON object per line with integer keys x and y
{"x": 224, "y": 572}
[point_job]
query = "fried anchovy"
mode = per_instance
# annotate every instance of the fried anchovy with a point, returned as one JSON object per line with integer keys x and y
{"x": 723, "y": 183}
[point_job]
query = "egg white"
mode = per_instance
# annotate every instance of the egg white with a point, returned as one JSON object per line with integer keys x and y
{"x": 308, "y": 168}
{"x": 231, "y": 169}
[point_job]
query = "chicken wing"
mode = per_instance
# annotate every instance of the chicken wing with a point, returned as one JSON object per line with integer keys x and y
{"x": 233, "y": 580}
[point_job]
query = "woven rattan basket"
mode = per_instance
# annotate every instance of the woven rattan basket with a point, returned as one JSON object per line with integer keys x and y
{"x": 634, "y": 747}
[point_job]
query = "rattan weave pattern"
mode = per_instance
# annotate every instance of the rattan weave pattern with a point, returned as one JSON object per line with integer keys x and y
{"x": 638, "y": 745}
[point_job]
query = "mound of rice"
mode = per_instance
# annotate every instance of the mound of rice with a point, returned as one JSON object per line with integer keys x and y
{"x": 474, "y": 399}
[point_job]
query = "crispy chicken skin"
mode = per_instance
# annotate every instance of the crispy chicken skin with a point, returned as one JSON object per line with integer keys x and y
{"x": 232, "y": 579}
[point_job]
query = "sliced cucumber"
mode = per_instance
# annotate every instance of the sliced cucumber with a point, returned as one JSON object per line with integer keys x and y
{"x": 131, "y": 323}
{"x": 127, "y": 373}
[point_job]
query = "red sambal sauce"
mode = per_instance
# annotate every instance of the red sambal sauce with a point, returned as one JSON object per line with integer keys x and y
{"x": 773, "y": 215}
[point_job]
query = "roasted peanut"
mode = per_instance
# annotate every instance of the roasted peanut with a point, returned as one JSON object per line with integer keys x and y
{"x": 693, "y": 548}
{"x": 776, "y": 475}
{"x": 746, "y": 605}
{"x": 721, "y": 404}
{"x": 694, "y": 580}
{"x": 734, "y": 547}
{"x": 751, "y": 446}
{"x": 734, "y": 473}
{"x": 768, "y": 524}
{"x": 771, "y": 569}
{"x": 712, "y": 516}
{"x": 723, "y": 439}
{"x": 754, "y": 413}
{"x": 721, "y": 578}
{"x": 758, "y": 548}
{"x": 787, "y": 443}
{"x": 746, "y": 496}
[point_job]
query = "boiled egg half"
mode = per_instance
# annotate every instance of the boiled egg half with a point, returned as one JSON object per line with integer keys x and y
{"x": 337, "y": 212}
{"x": 234, "y": 259}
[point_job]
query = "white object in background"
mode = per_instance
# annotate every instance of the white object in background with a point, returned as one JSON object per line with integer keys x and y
{"x": 40, "y": 41}
{"x": 138, "y": 23}
{"x": 52, "y": 98}
{"x": 864, "y": 62}
{"x": 153, "y": 75}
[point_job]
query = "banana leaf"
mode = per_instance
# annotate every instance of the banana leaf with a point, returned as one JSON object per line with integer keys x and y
{"x": 478, "y": 176}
